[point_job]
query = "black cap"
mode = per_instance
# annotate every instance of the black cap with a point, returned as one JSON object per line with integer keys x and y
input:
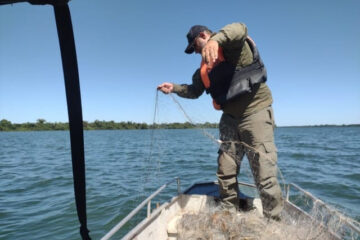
{"x": 192, "y": 34}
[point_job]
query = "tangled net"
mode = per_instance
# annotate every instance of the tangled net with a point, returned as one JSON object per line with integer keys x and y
{"x": 240, "y": 226}
{"x": 323, "y": 216}
{"x": 320, "y": 222}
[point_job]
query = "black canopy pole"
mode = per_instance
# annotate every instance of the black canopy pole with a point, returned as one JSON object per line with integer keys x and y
{"x": 72, "y": 86}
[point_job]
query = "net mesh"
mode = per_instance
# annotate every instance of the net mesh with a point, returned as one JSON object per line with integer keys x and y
{"x": 303, "y": 218}
{"x": 227, "y": 225}
{"x": 322, "y": 219}
{"x": 317, "y": 222}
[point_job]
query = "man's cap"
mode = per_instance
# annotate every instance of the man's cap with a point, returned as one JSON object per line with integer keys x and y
{"x": 192, "y": 34}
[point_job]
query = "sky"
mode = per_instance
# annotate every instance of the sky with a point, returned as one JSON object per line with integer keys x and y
{"x": 126, "y": 48}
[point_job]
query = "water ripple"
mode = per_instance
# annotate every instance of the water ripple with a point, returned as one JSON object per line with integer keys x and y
{"x": 37, "y": 187}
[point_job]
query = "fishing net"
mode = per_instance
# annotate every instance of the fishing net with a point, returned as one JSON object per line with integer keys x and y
{"x": 321, "y": 218}
{"x": 316, "y": 223}
{"x": 226, "y": 225}
{"x": 304, "y": 217}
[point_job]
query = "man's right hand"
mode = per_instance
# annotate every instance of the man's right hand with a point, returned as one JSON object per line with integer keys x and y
{"x": 166, "y": 87}
{"x": 209, "y": 52}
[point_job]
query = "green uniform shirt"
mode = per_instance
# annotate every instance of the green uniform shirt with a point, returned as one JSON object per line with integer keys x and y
{"x": 237, "y": 52}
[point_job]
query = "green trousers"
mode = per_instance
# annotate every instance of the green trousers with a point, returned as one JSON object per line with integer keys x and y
{"x": 257, "y": 131}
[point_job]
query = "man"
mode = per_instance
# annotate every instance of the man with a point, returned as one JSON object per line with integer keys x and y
{"x": 233, "y": 73}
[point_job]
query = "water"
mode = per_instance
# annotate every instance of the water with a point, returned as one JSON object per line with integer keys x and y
{"x": 36, "y": 190}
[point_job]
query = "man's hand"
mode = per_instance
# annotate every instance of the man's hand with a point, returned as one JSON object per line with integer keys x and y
{"x": 210, "y": 52}
{"x": 166, "y": 87}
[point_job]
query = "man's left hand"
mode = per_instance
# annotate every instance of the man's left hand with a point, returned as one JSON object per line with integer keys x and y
{"x": 210, "y": 52}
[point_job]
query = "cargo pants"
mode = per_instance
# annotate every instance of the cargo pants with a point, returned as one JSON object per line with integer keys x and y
{"x": 257, "y": 131}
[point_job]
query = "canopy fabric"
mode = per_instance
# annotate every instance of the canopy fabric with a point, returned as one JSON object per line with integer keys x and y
{"x": 36, "y": 2}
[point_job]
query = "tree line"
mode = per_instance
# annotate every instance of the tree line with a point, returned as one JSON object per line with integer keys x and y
{"x": 43, "y": 125}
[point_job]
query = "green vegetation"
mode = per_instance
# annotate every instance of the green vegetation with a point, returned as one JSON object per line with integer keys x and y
{"x": 42, "y": 125}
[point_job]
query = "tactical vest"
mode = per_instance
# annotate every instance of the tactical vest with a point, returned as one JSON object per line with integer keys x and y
{"x": 225, "y": 83}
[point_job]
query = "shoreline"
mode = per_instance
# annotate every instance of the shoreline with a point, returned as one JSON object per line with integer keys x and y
{"x": 42, "y": 125}
{"x": 172, "y": 128}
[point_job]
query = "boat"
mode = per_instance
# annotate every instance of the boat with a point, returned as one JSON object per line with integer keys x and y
{"x": 200, "y": 201}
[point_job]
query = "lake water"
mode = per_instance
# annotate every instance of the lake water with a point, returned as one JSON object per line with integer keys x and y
{"x": 124, "y": 166}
